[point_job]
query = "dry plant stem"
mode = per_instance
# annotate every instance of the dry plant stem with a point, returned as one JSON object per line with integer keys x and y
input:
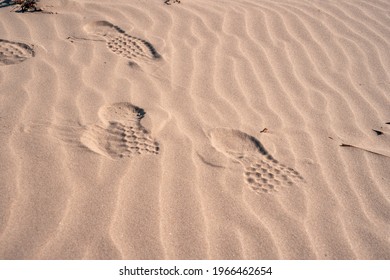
{"x": 352, "y": 146}
{"x": 168, "y": 2}
{"x": 27, "y": 5}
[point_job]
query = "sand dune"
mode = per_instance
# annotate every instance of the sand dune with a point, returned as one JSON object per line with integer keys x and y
{"x": 195, "y": 130}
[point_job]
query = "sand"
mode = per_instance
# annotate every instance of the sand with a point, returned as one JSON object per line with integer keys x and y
{"x": 196, "y": 130}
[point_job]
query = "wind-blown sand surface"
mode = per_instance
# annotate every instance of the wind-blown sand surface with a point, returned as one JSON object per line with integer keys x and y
{"x": 196, "y": 130}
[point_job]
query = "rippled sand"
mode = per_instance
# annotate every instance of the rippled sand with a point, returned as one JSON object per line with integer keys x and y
{"x": 197, "y": 130}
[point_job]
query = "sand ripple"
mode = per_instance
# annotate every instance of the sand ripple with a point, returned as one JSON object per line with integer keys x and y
{"x": 244, "y": 107}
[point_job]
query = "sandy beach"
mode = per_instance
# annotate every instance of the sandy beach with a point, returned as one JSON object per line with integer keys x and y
{"x": 227, "y": 129}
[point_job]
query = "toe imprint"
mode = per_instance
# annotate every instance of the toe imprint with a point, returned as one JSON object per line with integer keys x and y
{"x": 262, "y": 173}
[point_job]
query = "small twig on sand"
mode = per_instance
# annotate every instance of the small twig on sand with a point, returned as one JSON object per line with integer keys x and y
{"x": 168, "y": 2}
{"x": 375, "y": 153}
{"x": 378, "y": 132}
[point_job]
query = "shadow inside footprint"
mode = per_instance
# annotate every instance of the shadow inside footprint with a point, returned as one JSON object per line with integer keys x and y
{"x": 14, "y": 52}
{"x": 262, "y": 172}
{"x": 121, "y": 43}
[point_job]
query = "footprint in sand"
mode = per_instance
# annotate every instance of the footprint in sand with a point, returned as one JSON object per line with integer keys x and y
{"x": 122, "y": 44}
{"x": 14, "y": 52}
{"x": 118, "y": 134}
{"x": 261, "y": 171}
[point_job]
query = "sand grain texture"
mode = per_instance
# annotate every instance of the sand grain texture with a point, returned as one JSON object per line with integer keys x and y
{"x": 136, "y": 130}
